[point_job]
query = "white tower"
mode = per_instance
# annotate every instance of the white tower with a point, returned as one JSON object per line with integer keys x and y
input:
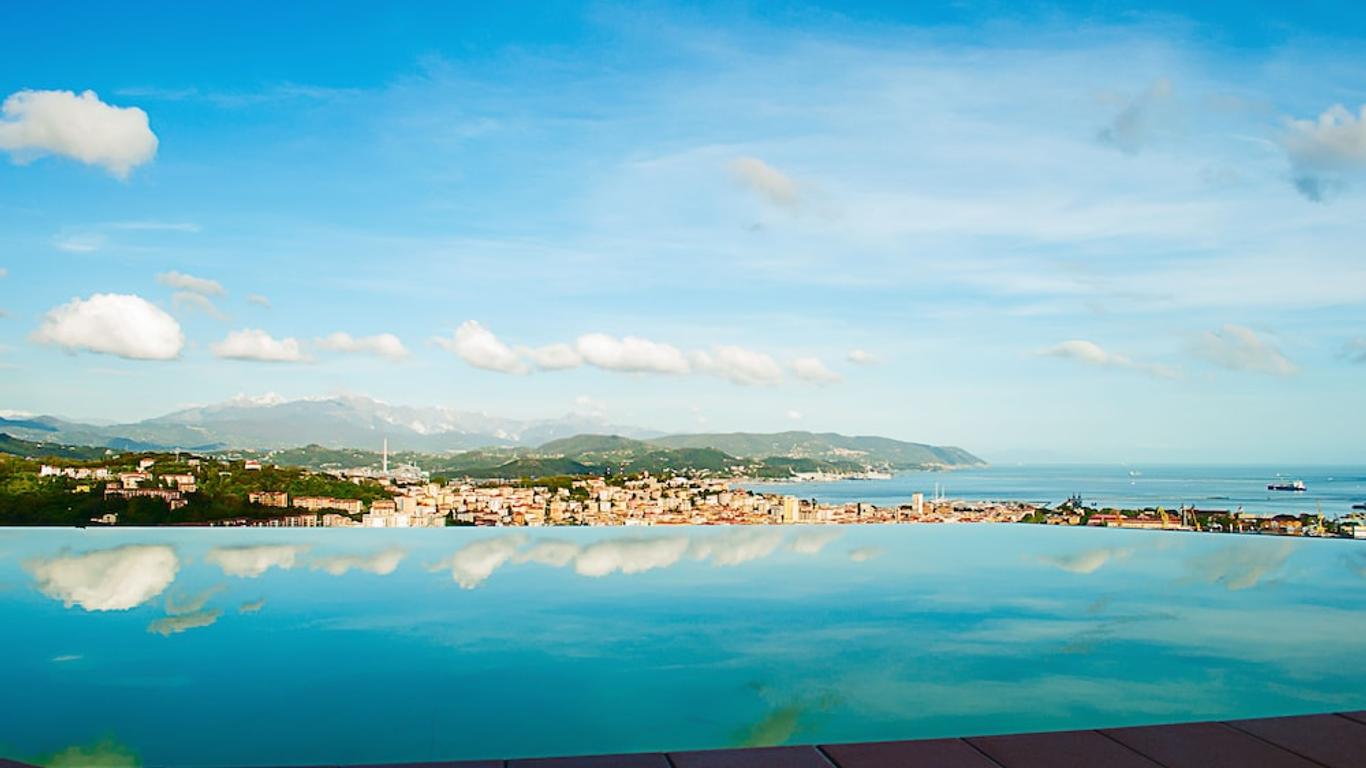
{"x": 384, "y": 462}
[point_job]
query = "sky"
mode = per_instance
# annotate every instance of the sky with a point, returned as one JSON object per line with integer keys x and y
{"x": 1056, "y": 232}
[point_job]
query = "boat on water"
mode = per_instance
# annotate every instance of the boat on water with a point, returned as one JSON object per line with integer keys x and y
{"x": 1360, "y": 506}
{"x": 1295, "y": 485}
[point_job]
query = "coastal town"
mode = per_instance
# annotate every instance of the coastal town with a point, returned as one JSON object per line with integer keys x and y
{"x": 262, "y": 495}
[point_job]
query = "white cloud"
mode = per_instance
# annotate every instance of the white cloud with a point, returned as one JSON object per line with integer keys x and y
{"x": 861, "y": 357}
{"x": 630, "y": 555}
{"x": 107, "y": 580}
{"x": 250, "y": 562}
{"x": 1242, "y": 566}
{"x": 113, "y": 324}
{"x": 78, "y": 243}
{"x": 381, "y": 563}
{"x": 477, "y": 346}
{"x": 254, "y": 344}
{"x": 473, "y": 563}
{"x": 1091, "y": 353}
{"x": 793, "y": 415}
{"x": 631, "y": 354}
{"x": 1237, "y": 348}
{"x": 554, "y": 357}
{"x": 38, "y": 123}
{"x": 183, "y": 300}
{"x": 813, "y": 370}
{"x": 738, "y": 365}
{"x": 193, "y": 603}
{"x": 768, "y": 182}
{"x": 1142, "y": 120}
{"x": 1325, "y": 150}
{"x": 252, "y": 606}
{"x": 385, "y": 345}
{"x": 258, "y": 300}
{"x": 183, "y": 282}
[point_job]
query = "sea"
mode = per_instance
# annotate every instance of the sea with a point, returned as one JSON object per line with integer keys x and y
{"x": 1330, "y": 490}
{"x": 256, "y": 647}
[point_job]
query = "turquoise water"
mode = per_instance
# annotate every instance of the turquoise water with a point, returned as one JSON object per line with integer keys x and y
{"x": 213, "y": 647}
{"x": 1332, "y": 489}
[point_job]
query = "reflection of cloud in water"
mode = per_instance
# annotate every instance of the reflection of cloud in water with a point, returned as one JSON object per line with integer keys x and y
{"x": 737, "y": 546}
{"x": 476, "y": 561}
{"x": 192, "y": 603}
{"x": 812, "y": 542}
{"x": 1088, "y": 561}
{"x": 250, "y": 562}
{"x": 864, "y": 554}
{"x": 253, "y": 606}
{"x": 630, "y": 555}
{"x": 472, "y": 564}
{"x": 170, "y": 625}
{"x": 1241, "y": 566}
{"x": 107, "y": 580}
{"x": 552, "y": 552}
{"x": 380, "y": 563}
{"x": 64, "y": 658}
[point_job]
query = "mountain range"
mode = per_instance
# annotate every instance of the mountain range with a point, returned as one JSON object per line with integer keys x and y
{"x": 274, "y": 424}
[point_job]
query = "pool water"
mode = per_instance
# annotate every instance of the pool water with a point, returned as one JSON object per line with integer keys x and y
{"x": 277, "y": 647}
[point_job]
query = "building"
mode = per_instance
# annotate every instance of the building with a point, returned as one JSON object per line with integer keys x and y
{"x": 269, "y": 498}
{"x": 319, "y": 503}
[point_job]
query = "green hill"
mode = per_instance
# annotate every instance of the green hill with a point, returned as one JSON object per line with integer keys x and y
{"x": 34, "y": 450}
{"x": 863, "y": 450}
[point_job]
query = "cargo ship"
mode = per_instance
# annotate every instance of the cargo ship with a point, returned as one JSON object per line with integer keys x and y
{"x": 1297, "y": 485}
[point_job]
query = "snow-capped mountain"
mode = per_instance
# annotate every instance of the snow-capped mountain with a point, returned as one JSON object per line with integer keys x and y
{"x": 352, "y": 421}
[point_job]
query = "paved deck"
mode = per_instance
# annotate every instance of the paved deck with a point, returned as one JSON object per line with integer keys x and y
{"x": 1311, "y": 741}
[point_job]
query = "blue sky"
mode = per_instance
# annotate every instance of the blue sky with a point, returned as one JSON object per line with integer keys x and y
{"x": 1050, "y": 232}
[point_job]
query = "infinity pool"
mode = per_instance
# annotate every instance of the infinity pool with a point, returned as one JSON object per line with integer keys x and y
{"x": 212, "y": 647}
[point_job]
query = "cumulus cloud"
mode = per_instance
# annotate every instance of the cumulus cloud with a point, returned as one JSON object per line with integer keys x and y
{"x": 193, "y": 603}
{"x": 171, "y": 625}
{"x": 258, "y": 300}
{"x": 861, "y": 357}
{"x": 1142, "y": 120}
{"x": 477, "y": 346}
{"x": 631, "y": 354}
{"x": 630, "y": 555}
{"x": 1091, "y": 353}
{"x": 380, "y": 563}
{"x": 113, "y": 324}
{"x": 1088, "y": 561}
{"x": 1323, "y": 152}
{"x": 1237, "y": 348}
{"x": 738, "y": 365}
{"x": 81, "y": 127}
{"x": 254, "y": 344}
{"x": 183, "y": 282}
{"x": 248, "y": 562}
{"x": 474, "y": 563}
{"x": 554, "y": 357}
{"x": 107, "y": 580}
{"x": 186, "y": 300}
{"x": 385, "y": 345}
{"x": 738, "y": 546}
{"x": 813, "y": 370}
{"x": 768, "y": 182}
